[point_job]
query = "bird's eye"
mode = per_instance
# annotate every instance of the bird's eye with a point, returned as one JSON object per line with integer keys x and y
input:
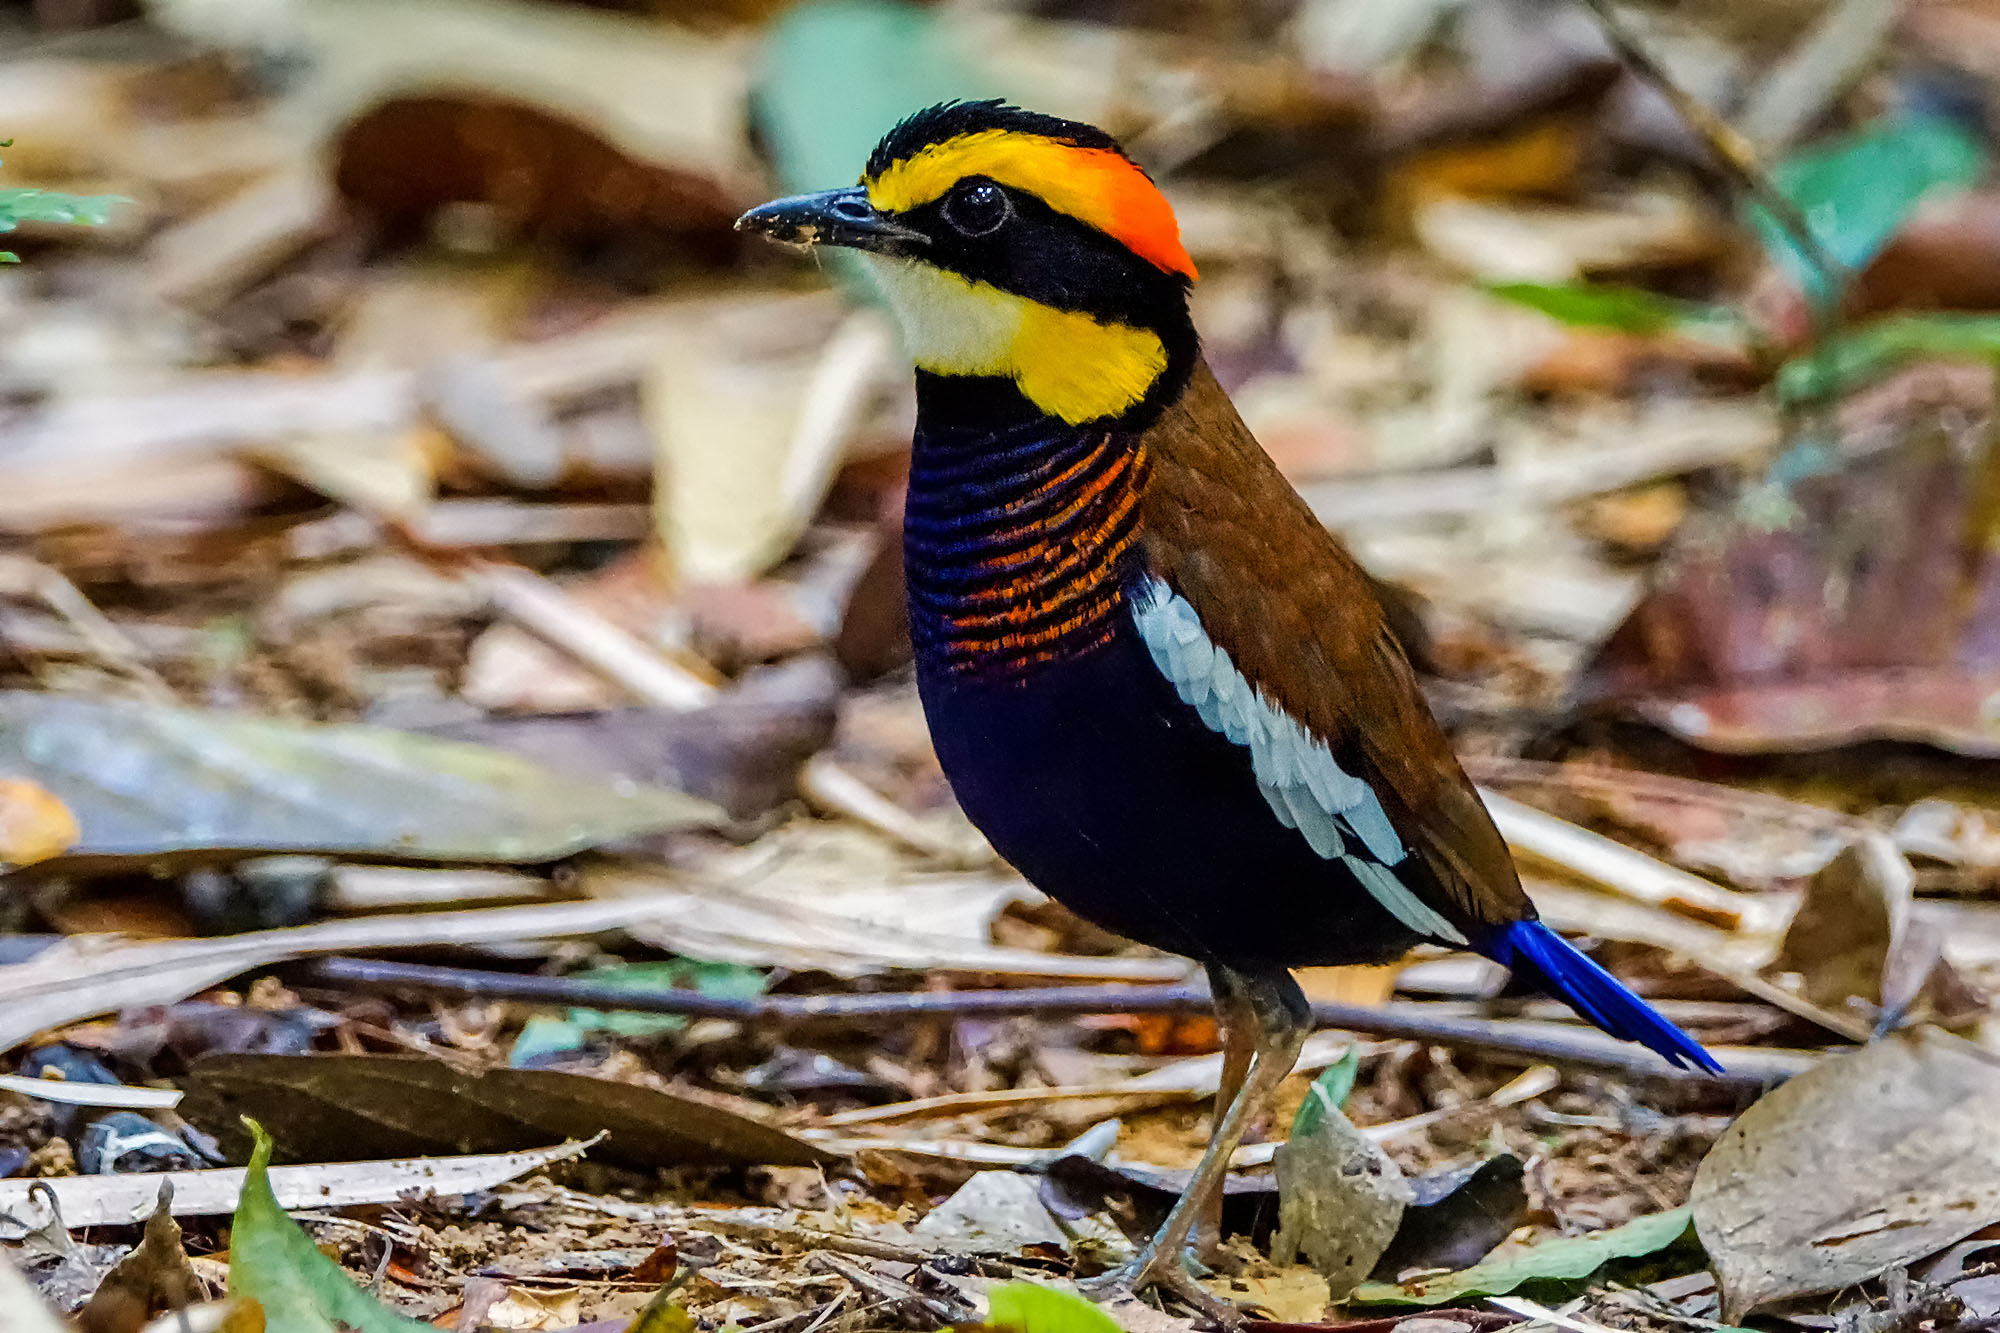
{"x": 977, "y": 208}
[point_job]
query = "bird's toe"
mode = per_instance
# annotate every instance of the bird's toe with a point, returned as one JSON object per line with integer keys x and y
{"x": 1170, "y": 1274}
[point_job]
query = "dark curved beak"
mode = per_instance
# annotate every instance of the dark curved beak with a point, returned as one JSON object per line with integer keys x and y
{"x": 832, "y": 217}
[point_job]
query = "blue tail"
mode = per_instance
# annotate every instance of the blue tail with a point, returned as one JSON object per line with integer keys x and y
{"x": 1594, "y": 993}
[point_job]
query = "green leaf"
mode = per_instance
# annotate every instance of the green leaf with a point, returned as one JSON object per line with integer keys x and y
{"x": 1857, "y": 192}
{"x": 545, "y": 1034}
{"x": 837, "y": 74}
{"x": 1851, "y": 359}
{"x": 18, "y": 206}
{"x": 1568, "y": 1259}
{"x": 1329, "y": 1092}
{"x": 1028, "y": 1307}
{"x": 85, "y": 210}
{"x": 274, "y": 1263}
{"x": 1625, "y": 309}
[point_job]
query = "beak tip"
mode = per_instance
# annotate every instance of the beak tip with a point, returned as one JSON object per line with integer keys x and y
{"x": 833, "y": 217}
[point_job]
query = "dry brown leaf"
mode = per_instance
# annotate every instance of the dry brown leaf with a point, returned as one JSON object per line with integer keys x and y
{"x": 848, "y": 919}
{"x": 345, "y": 1106}
{"x": 667, "y": 97}
{"x": 1854, "y": 909}
{"x": 150, "y": 782}
{"x": 154, "y": 1277}
{"x": 1861, "y": 1164}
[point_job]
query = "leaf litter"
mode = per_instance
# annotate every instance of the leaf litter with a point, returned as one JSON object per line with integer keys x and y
{"x": 410, "y": 425}
{"x": 1881, "y": 1157}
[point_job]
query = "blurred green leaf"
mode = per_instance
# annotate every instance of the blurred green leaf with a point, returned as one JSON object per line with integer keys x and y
{"x": 1566, "y": 1259}
{"x": 1625, "y": 309}
{"x": 18, "y": 206}
{"x": 546, "y": 1035}
{"x": 273, "y": 1262}
{"x": 1329, "y": 1091}
{"x": 1858, "y": 191}
{"x": 1849, "y": 360}
{"x": 87, "y": 210}
{"x": 1028, "y": 1307}
{"x": 837, "y": 75}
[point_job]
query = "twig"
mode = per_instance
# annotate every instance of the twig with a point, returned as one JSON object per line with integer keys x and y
{"x": 108, "y": 643}
{"x": 1190, "y": 1079}
{"x": 67, "y": 1093}
{"x": 924, "y": 1311}
{"x": 836, "y": 790}
{"x": 972, "y": 1152}
{"x": 1541, "y": 1314}
{"x": 1734, "y": 152}
{"x": 1701, "y": 439}
{"x": 1535, "y": 1041}
{"x": 785, "y": 1233}
{"x": 556, "y": 618}
{"x": 1822, "y": 65}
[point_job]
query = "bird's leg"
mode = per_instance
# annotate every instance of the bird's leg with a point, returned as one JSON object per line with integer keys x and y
{"x": 1282, "y": 1020}
{"x": 1238, "y": 1021}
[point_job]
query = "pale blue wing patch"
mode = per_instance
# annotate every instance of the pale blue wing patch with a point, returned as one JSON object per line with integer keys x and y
{"x": 1304, "y": 785}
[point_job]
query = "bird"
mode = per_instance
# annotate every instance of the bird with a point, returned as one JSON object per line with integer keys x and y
{"x": 1161, "y": 688}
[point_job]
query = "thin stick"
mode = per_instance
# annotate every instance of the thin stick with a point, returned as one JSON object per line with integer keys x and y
{"x": 1535, "y": 1041}
{"x": 1737, "y": 156}
{"x": 837, "y": 790}
{"x": 559, "y": 620}
{"x": 105, "y": 641}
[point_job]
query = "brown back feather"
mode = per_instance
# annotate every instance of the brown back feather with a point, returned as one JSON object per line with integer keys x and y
{"x": 1301, "y": 620}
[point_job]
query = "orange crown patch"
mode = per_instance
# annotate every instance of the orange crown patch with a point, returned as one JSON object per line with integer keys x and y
{"x": 1096, "y": 186}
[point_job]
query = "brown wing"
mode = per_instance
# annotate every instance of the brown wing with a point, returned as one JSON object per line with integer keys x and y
{"x": 1299, "y": 617}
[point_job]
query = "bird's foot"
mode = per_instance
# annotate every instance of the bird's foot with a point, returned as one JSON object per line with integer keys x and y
{"x": 1170, "y": 1272}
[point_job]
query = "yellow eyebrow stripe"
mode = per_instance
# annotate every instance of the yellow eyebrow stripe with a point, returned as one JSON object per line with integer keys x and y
{"x": 1096, "y": 186}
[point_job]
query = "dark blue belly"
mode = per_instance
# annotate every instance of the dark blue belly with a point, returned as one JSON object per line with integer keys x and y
{"x": 1093, "y": 778}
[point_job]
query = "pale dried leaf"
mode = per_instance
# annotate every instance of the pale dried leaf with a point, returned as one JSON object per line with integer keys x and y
{"x": 96, "y": 1201}
{"x": 1340, "y": 1198}
{"x": 995, "y": 1212}
{"x": 146, "y": 780}
{"x": 1864, "y": 1163}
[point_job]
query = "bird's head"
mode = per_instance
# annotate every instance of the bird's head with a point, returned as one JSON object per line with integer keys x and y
{"x": 1020, "y": 247}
